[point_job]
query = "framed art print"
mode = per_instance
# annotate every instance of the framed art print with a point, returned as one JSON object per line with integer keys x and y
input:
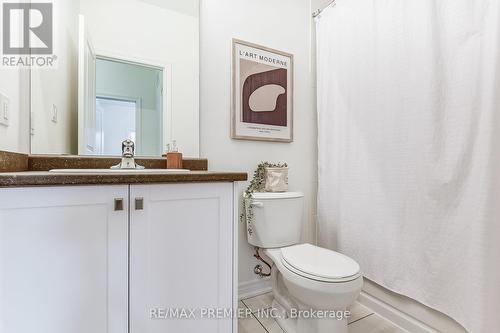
{"x": 262, "y": 93}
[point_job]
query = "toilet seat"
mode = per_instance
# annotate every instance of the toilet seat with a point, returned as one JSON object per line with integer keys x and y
{"x": 319, "y": 264}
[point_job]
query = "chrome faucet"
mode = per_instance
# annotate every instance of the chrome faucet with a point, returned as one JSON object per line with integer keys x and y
{"x": 128, "y": 162}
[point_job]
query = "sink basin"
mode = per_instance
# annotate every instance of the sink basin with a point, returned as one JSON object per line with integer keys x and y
{"x": 120, "y": 171}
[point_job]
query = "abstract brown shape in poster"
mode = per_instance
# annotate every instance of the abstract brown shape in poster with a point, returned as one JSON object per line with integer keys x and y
{"x": 276, "y": 116}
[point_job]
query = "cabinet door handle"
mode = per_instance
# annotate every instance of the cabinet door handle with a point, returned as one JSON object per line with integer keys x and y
{"x": 139, "y": 203}
{"x": 118, "y": 204}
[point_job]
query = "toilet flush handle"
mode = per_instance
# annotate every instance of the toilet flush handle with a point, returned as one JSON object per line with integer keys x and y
{"x": 257, "y": 204}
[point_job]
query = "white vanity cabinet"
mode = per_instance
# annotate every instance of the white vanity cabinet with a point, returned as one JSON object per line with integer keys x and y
{"x": 63, "y": 260}
{"x": 181, "y": 255}
{"x": 102, "y": 259}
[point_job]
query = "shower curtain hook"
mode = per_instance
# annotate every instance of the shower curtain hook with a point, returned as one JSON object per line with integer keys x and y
{"x": 317, "y": 12}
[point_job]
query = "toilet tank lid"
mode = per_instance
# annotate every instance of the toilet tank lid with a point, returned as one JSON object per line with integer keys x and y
{"x": 276, "y": 195}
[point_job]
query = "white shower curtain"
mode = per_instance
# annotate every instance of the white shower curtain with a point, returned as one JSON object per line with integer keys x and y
{"x": 409, "y": 148}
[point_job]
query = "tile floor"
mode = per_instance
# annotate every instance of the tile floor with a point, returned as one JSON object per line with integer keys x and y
{"x": 362, "y": 319}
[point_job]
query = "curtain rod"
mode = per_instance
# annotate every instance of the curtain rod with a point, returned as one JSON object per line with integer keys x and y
{"x": 319, "y": 11}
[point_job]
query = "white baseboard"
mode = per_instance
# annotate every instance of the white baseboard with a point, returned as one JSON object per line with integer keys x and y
{"x": 394, "y": 315}
{"x": 254, "y": 288}
{"x": 406, "y": 312}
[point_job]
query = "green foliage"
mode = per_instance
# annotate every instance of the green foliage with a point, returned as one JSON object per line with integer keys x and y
{"x": 257, "y": 184}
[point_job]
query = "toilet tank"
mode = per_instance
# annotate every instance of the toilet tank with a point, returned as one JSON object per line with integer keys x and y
{"x": 277, "y": 219}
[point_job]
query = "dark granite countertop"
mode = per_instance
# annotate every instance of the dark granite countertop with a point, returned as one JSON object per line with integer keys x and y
{"x": 44, "y": 178}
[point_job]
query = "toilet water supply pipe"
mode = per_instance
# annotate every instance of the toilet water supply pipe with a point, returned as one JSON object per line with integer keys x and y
{"x": 258, "y": 268}
{"x": 283, "y": 302}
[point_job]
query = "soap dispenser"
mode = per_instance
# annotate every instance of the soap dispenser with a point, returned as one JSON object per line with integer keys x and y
{"x": 173, "y": 156}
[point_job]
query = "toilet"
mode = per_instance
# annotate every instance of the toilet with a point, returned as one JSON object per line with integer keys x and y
{"x": 312, "y": 286}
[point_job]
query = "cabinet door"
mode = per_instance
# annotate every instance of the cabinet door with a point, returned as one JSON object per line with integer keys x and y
{"x": 181, "y": 257}
{"x": 63, "y": 260}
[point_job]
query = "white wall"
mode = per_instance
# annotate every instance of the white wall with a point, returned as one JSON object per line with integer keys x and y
{"x": 275, "y": 24}
{"x": 14, "y": 83}
{"x": 138, "y": 29}
{"x": 58, "y": 86}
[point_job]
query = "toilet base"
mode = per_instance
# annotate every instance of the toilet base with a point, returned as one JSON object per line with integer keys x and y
{"x": 283, "y": 305}
{"x": 287, "y": 324}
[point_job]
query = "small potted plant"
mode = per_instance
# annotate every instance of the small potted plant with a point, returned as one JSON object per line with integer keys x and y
{"x": 276, "y": 178}
{"x": 268, "y": 177}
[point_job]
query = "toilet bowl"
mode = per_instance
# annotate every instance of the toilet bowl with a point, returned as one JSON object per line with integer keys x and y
{"x": 312, "y": 286}
{"x": 321, "y": 283}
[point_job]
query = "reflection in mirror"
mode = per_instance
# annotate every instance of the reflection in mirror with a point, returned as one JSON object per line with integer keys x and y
{"x": 126, "y": 69}
{"x": 129, "y": 104}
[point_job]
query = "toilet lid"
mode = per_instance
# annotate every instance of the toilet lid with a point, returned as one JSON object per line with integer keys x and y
{"x": 319, "y": 262}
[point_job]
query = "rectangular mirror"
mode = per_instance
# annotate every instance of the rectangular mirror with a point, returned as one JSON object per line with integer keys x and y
{"x": 124, "y": 69}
